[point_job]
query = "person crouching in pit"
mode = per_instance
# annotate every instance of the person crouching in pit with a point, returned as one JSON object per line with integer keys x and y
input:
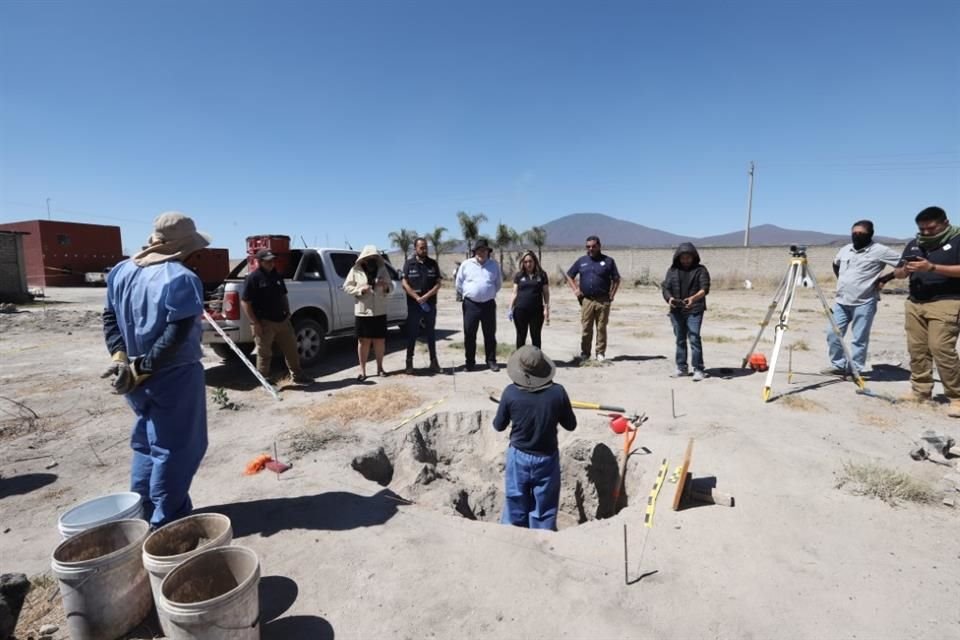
{"x": 533, "y": 406}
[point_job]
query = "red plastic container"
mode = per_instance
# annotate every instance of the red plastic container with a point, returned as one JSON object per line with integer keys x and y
{"x": 279, "y": 245}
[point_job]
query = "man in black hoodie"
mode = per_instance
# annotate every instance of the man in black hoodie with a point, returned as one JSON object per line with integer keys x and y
{"x": 685, "y": 288}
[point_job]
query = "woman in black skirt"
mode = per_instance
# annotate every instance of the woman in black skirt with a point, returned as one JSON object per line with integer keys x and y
{"x": 369, "y": 282}
{"x": 530, "y": 305}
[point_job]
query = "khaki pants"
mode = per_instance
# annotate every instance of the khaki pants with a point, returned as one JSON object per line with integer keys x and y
{"x": 594, "y": 311}
{"x": 932, "y": 329}
{"x": 281, "y": 333}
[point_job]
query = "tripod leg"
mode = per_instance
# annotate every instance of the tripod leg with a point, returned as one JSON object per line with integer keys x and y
{"x": 793, "y": 278}
{"x": 763, "y": 325}
{"x": 836, "y": 329}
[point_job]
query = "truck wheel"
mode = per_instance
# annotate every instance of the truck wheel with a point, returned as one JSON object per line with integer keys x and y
{"x": 227, "y": 354}
{"x": 311, "y": 340}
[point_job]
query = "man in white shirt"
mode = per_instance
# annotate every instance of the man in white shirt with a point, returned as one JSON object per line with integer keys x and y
{"x": 478, "y": 281}
{"x": 857, "y": 266}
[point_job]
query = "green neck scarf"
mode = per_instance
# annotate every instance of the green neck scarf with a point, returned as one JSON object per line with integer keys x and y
{"x": 932, "y": 242}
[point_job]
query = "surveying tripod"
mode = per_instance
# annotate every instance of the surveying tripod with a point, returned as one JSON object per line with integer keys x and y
{"x": 797, "y": 274}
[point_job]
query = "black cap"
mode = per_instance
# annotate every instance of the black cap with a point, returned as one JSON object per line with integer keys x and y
{"x": 265, "y": 254}
{"x": 482, "y": 244}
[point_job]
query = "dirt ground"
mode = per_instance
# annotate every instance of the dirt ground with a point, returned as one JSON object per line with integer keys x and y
{"x": 343, "y": 556}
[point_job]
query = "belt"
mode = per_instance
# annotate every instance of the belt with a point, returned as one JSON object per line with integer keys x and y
{"x": 477, "y": 301}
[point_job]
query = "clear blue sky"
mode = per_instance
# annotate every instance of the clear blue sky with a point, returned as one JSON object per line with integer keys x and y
{"x": 336, "y": 120}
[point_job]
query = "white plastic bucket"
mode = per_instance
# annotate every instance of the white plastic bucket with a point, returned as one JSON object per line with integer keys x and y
{"x": 104, "y": 586}
{"x": 92, "y": 513}
{"x": 213, "y": 595}
{"x": 170, "y": 545}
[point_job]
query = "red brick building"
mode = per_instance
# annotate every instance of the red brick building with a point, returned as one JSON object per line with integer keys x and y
{"x": 58, "y": 254}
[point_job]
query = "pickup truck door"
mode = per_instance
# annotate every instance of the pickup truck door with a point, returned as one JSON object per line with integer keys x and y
{"x": 340, "y": 263}
{"x": 397, "y": 300}
{"x": 308, "y": 287}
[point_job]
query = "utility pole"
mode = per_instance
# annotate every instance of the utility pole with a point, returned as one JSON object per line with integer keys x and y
{"x": 48, "y": 209}
{"x": 746, "y": 234}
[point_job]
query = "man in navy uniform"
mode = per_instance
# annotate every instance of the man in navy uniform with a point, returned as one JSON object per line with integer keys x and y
{"x": 421, "y": 280}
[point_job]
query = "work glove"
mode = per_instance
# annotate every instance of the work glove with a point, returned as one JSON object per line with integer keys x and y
{"x": 126, "y": 374}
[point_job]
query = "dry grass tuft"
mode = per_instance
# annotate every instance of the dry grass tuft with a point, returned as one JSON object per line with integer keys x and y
{"x": 380, "y": 404}
{"x": 719, "y": 339}
{"x": 504, "y": 350}
{"x": 886, "y": 484}
{"x": 877, "y": 420}
{"x": 643, "y": 334}
{"x": 800, "y": 403}
{"x": 800, "y": 345}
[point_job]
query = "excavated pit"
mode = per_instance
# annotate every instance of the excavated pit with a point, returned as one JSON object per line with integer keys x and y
{"x": 454, "y": 462}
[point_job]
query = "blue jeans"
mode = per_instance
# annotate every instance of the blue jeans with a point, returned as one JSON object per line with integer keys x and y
{"x": 532, "y": 490}
{"x": 169, "y": 439}
{"x": 687, "y": 327}
{"x": 861, "y": 318}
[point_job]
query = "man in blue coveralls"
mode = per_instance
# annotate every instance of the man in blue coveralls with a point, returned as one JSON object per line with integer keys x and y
{"x": 534, "y": 406}
{"x": 151, "y": 324}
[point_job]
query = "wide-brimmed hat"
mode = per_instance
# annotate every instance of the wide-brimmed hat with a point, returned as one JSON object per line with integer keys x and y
{"x": 530, "y": 368}
{"x": 370, "y": 251}
{"x": 174, "y": 238}
{"x": 481, "y": 244}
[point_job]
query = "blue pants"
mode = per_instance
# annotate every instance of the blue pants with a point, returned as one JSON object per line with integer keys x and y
{"x": 532, "y": 490}
{"x": 860, "y": 318}
{"x": 415, "y": 317}
{"x": 687, "y": 327}
{"x": 169, "y": 439}
{"x": 483, "y": 315}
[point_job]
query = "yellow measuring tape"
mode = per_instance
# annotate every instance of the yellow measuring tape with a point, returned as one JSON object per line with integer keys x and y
{"x": 419, "y": 413}
{"x": 652, "y": 498}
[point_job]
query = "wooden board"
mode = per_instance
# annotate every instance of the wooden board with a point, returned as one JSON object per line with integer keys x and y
{"x": 682, "y": 480}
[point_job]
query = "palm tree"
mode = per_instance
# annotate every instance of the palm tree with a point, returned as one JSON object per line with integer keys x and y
{"x": 403, "y": 240}
{"x": 470, "y": 225}
{"x": 537, "y": 236}
{"x": 504, "y": 238}
{"x": 436, "y": 239}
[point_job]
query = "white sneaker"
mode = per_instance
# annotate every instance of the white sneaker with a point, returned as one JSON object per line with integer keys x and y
{"x": 680, "y": 373}
{"x": 698, "y": 375}
{"x": 601, "y": 357}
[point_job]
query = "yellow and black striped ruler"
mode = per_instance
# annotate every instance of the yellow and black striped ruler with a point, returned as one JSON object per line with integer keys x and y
{"x": 654, "y": 492}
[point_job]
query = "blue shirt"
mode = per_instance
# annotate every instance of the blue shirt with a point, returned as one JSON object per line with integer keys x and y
{"x": 146, "y": 299}
{"x": 596, "y": 276}
{"x": 859, "y": 269}
{"x": 535, "y": 416}
{"x": 479, "y": 282}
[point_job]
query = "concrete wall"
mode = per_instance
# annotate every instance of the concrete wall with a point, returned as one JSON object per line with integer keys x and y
{"x": 729, "y": 266}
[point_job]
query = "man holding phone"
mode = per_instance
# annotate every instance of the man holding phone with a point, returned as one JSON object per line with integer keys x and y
{"x": 932, "y": 311}
{"x": 856, "y": 266}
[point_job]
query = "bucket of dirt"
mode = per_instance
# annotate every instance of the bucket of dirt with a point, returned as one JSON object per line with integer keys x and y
{"x": 100, "y": 510}
{"x": 170, "y": 545}
{"x": 104, "y": 586}
{"x": 212, "y": 595}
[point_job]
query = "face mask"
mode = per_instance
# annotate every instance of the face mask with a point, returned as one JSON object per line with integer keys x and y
{"x": 860, "y": 240}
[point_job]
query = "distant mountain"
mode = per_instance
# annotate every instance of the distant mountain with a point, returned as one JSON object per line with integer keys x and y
{"x": 571, "y": 230}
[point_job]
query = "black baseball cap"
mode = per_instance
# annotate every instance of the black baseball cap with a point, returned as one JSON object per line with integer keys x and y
{"x": 265, "y": 254}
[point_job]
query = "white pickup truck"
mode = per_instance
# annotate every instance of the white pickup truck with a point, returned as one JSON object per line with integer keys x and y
{"x": 319, "y": 305}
